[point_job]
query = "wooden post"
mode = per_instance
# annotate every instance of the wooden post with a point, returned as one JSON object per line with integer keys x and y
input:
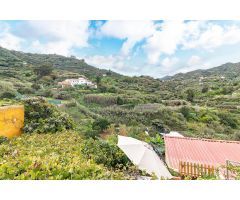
{"x": 191, "y": 169}
{"x": 227, "y": 165}
{"x": 205, "y": 169}
{"x": 201, "y": 171}
{"x": 184, "y": 168}
{"x": 194, "y": 169}
{"x": 180, "y": 167}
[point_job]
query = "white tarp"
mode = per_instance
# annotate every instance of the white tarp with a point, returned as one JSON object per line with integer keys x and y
{"x": 143, "y": 155}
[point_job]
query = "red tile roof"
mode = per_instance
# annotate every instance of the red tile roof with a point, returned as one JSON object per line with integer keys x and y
{"x": 203, "y": 151}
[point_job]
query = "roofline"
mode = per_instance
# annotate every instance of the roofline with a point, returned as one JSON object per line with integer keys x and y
{"x": 203, "y": 139}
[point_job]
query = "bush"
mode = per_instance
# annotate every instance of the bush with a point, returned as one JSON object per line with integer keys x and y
{"x": 36, "y": 86}
{"x": 100, "y": 99}
{"x": 49, "y": 157}
{"x": 8, "y": 95}
{"x": 186, "y": 112}
{"x": 104, "y": 153}
{"x": 41, "y": 117}
{"x": 7, "y": 90}
{"x": 25, "y": 90}
{"x": 63, "y": 95}
{"x": 100, "y": 124}
{"x": 190, "y": 95}
{"x": 44, "y": 70}
{"x": 228, "y": 119}
{"x": 3, "y": 139}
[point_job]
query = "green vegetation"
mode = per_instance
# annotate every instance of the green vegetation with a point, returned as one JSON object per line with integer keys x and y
{"x": 48, "y": 156}
{"x": 202, "y": 103}
{"x": 41, "y": 117}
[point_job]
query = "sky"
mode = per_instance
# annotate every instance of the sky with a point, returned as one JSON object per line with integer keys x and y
{"x": 154, "y": 48}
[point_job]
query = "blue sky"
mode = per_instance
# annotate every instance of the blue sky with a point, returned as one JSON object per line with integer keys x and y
{"x": 155, "y": 48}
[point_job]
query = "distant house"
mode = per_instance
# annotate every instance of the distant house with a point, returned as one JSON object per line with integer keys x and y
{"x": 78, "y": 81}
{"x": 202, "y": 151}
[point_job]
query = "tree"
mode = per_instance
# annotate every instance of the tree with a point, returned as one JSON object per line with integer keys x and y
{"x": 100, "y": 124}
{"x": 98, "y": 80}
{"x": 185, "y": 111}
{"x": 190, "y": 95}
{"x": 42, "y": 117}
{"x": 43, "y": 70}
{"x": 120, "y": 101}
{"x": 205, "y": 89}
{"x": 36, "y": 86}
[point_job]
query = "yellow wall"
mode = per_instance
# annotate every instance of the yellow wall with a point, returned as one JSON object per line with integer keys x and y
{"x": 11, "y": 120}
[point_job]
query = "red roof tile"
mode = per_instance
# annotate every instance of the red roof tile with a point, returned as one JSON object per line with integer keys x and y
{"x": 203, "y": 151}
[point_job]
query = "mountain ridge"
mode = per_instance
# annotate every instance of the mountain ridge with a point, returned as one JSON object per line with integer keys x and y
{"x": 227, "y": 70}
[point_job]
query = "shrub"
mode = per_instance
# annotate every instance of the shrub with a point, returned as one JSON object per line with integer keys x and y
{"x": 49, "y": 157}
{"x": 44, "y": 70}
{"x": 186, "y": 111}
{"x": 8, "y": 95}
{"x": 36, "y": 86}
{"x": 190, "y": 95}
{"x": 25, "y": 90}
{"x": 100, "y": 99}
{"x": 228, "y": 119}
{"x": 41, "y": 117}
{"x": 237, "y": 136}
{"x": 3, "y": 139}
{"x": 63, "y": 95}
{"x": 205, "y": 89}
{"x": 104, "y": 153}
{"x": 100, "y": 124}
{"x": 7, "y": 90}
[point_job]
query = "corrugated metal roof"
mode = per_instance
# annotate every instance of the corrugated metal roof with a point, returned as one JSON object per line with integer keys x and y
{"x": 203, "y": 151}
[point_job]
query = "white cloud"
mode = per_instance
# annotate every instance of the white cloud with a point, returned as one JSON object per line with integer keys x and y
{"x": 106, "y": 62}
{"x": 169, "y": 62}
{"x": 7, "y": 39}
{"x": 214, "y": 36}
{"x": 59, "y": 47}
{"x": 194, "y": 60}
{"x": 130, "y": 31}
{"x": 58, "y": 36}
{"x": 194, "y": 63}
{"x": 179, "y": 35}
{"x": 165, "y": 40}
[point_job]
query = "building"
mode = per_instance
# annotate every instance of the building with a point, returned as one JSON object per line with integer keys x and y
{"x": 79, "y": 81}
{"x": 202, "y": 151}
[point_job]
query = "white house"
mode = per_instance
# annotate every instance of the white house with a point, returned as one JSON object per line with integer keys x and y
{"x": 79, "y": 81}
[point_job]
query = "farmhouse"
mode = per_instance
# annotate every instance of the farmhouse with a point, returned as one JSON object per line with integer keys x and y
{"x": 78, "y": 81}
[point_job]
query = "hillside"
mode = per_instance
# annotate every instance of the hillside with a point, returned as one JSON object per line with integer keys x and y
{"x": 228, "y": 70}
{"x": 202, "y": 103}
{"x": 20, "y": 59}
{"x": 193, "y": 103}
